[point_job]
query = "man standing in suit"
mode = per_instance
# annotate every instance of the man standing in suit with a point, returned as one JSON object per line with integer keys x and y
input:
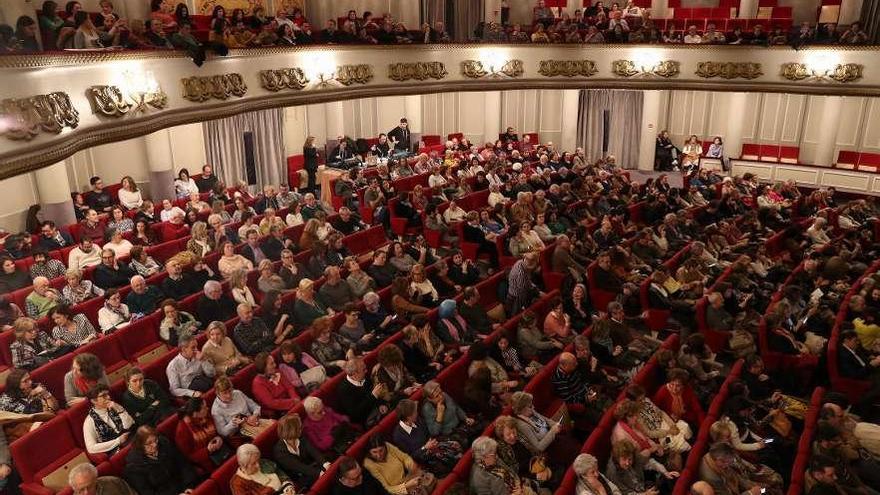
{"x": 401, "y": 135}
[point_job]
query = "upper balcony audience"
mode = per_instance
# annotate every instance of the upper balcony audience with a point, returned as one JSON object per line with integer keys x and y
{"x": 172, "y": 27}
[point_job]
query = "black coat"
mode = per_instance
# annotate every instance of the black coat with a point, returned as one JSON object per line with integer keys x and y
{"x": 305, "y": 468}
{"x": 169, "y": 474}
{"x": 402, "y": 136}
{"x": 105, "y": 277}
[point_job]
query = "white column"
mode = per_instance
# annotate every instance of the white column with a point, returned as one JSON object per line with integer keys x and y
{"x": 492, "y": 116}
{"x": 748, "y": 9}
{"x": 54, "y": 189}
{"x": 733, "y": 136}
{"x": 570, "y": 101}
{"x": 658, "y": 8}
{"x": 828, "y": 125}
{"x": 650, "y": 122}
{"x": 335, "y": 118}
{"x": 850, "y": 11}
{"x": 160, "y": 161}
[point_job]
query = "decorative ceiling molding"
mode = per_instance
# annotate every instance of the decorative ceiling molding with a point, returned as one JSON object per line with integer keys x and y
{"x": 277, "y": 79}
{"x": 419, "y": 71}
{"x": 25, "y": 118}
{"x": 567, "y": 68}
{"x": 221, "y": 87}
{"x": 729, "y": 70}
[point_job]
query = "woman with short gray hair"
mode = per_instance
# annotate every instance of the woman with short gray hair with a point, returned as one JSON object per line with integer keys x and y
{"x": 590, "y": 480}
{"x": 256, "y": 476}
{"x": 490, "y": 477}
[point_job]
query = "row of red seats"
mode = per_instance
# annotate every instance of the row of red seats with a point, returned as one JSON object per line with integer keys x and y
{"x": 770, "y": 153}
{"x": 598, "y": 444}
{"x": 691, "y": 471}
{"x": 772, "y": 11}
{"x": 855, "y": 160}
{"x": 853, "y": 388}
{"x": 805, "y": 444}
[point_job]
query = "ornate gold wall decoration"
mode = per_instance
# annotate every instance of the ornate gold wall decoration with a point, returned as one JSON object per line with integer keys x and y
{"x": 628, "y": 68}
{"x": 418, "y": 71}
{"x": 221, "y": 87}
{"x": 354, "y": 74}
{"x": 845, "y": 73}
{"x": 842, "y": 73}
{"x": 567, "y": 68}
{"x": 278, "y": 79}
{"x": 25, "y": 118}
{"x": 795, "y": 71}
{"x": 475, "y": 70}
{"x": 109, "y": 100}
{"x": 729, "y": 70}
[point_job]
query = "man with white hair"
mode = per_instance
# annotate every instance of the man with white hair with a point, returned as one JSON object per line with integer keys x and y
{"x": 178, "y": 284}
{"x": 42, "y": 300}
{"x": 252, "y": 336}
{"x": 143, "y": 299}
{"x": 717, "y": 317}
{"x": 522, "y": 291}
{"x": 335, "y": 292}
{"x": 84, "y": 480}
{"x": 310, "y": 207}
{"x": 214, "y": 305}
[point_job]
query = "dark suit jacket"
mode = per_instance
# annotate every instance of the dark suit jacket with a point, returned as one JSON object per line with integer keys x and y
{"x": 402, "y": 136}
{"x": 51, "y": 244}
{"x": 272, "y": 248}
{"x": 105, "y": 277}
{"x": 849, "y": 366}
{"x": 209, "y": 310}
{"x": 303, "y": 469}
{"x": 340, "y": 154}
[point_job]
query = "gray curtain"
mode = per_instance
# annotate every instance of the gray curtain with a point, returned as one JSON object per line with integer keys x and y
{"x": 224, "y": 143}
{"x": 433, "y": 11}
{"x": 612, "y": 115}
{"x": 467, "y": 15}
{"x": 871, "y": 19}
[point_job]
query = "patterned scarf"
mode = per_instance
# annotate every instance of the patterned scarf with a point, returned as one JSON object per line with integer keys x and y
{"x": 105, "y": 431}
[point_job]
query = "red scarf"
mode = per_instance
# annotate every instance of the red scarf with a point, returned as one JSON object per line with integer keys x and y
{"x": 636, "y": 436}
{"x": 83, "y": 384}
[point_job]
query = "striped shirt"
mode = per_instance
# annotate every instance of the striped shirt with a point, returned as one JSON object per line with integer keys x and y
{"x": 83, "y": 329}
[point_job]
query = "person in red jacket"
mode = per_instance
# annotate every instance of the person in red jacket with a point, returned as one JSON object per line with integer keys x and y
{"x": 275, "y": 393}
{"x": 196, "y": 436}
{"x": 175, "y": 228}
{"x": 678, "y": 399}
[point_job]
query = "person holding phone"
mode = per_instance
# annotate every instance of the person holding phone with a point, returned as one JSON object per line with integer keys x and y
{"x": 629, "y": 471}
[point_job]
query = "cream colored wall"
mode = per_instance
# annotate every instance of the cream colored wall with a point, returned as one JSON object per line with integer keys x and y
{"x": 774, "y": 118}
{"x": 406, "y": 11}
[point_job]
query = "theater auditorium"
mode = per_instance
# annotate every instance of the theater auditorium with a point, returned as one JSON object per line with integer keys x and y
{"x": 430, "y": 247}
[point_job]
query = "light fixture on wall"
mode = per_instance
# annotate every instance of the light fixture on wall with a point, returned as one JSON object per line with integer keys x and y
{"x": 131, "y": 91}
{"x": 492, "y": 63}
{"x": 321, "y": 68}
{"x": 822, "y": 66}
{"x": 646, "y": 63}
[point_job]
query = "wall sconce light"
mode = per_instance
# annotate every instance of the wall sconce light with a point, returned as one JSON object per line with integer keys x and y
{"x": 648, "y": 66}
{"x": 822, "y": 69}
{"x": 321, "y": 68}
{"x": 476, "y": 69}
{"x": 130, "y": 92}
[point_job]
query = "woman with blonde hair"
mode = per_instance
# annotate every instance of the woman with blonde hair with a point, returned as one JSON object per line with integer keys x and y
{"x": 241, "y": 293}
{"x": 295, "y": 454}
{"x": 220, "y": 350}
{"x": 200, "y": 243}
{"x": 231, "y": 262}
{"x": 269, "y": 220}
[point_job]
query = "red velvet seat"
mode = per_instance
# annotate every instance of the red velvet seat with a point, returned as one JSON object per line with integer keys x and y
{"x": 750, "y": 152}
{"x": 140, "y": 337}
{"x": 109, "y": 351}
{"x": 42, "y": 452}
{"x": 789, "y": 154}
{"x": 52, "y": 375}
{"x": 769, "y": 153}
{"x": 599, "y": 298}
